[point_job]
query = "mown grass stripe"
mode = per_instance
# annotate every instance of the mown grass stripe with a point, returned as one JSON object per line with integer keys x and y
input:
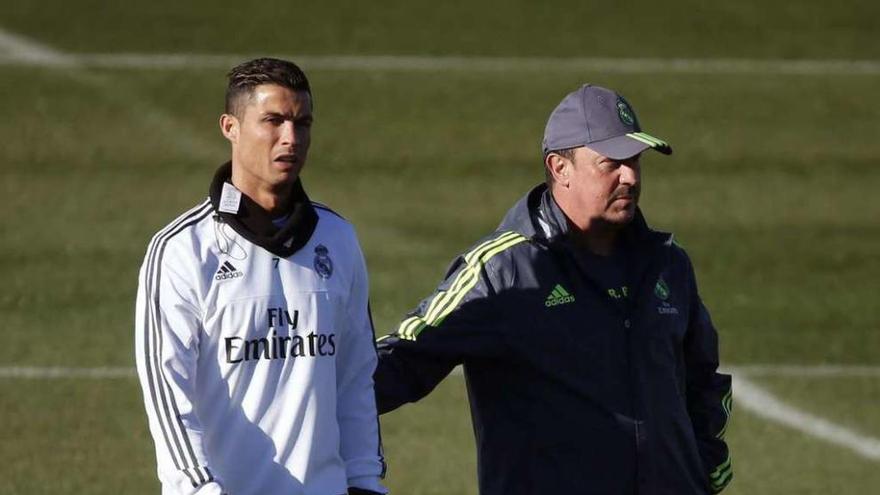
{"x": 807, "y": 370}
{"x": 427, "y": 63}
{"x": 106, "y": 372}
{"x": 61, "y": 372}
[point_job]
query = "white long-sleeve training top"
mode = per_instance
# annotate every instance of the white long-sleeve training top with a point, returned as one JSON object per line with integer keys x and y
{"x": 257, "y": 369}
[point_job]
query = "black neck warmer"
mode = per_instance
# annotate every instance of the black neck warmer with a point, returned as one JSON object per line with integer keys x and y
{"x": 254, "y": 223}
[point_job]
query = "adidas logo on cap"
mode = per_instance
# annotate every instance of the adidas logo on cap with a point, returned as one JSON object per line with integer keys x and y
{"x": 558, "y": 296}
{"x": 227, "y": 271}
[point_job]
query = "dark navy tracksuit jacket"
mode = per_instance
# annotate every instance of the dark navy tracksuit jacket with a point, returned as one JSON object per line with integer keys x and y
{"x": 573, "y": 389}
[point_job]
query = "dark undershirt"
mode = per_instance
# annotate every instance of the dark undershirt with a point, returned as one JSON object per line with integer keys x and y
{"x": 610, "y": 272}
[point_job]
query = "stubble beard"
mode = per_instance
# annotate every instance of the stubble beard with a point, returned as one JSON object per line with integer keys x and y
{"x": 620, "y": 216}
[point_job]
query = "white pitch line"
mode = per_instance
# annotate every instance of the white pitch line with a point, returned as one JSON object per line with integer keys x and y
{"x": 417, "y": 63}
{"x": 20, "y": 50}
{"x": 56, "y": 372}
{"x": 762, "y": 403}
{"x": 807, "y": 371}
{"x": 749, "y": 370}
{"x": 747, "y": 395}
{"x": 790, "y": 370}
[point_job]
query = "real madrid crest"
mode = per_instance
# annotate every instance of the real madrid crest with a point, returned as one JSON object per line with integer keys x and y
{"x": 625, "y": 112}
{"x": 661, "y": 290}
{"x": 323, "y": 263}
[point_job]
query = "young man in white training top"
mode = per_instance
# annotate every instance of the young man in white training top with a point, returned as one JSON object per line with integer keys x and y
{"x": 254, "y": 343}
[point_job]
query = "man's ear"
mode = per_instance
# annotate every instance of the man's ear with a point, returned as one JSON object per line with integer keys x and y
{"x": 558, "y": 167}
{"x": 230, "y": 127}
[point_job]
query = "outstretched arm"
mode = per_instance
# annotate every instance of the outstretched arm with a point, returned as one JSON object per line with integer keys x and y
{"x": 458, "y": 321}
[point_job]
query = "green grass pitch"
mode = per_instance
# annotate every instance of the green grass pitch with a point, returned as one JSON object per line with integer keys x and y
{"x": 772, "y": 189}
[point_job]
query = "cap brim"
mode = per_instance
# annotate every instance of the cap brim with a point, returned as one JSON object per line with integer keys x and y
{"x": 629, "y": 145}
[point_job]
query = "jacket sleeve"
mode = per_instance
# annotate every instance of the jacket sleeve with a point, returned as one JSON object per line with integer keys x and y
{"x": 460, "y": 320}
{"x": 360, "y": 441}
{"x": 167, "y": 328}
{"x": 709, "y": 393}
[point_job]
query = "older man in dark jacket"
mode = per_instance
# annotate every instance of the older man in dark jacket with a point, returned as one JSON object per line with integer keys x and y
{"x": 591, "y": 362}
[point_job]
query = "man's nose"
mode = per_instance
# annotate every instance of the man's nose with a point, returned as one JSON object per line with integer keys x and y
{"x": 629, "y": 175}
{"x": 288, "y": 133}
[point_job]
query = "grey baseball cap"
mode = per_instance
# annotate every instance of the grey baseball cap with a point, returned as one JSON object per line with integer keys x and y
{"x": 601, "y": 120}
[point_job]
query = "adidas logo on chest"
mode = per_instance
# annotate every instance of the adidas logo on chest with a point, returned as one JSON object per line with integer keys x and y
{"x": 227, "y": 271}
{"x": 558, "y": 296}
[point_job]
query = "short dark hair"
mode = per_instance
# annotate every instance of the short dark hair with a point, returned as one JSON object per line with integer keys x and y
{"x": 567, "y": 153}
{"x": 244, "y": 77}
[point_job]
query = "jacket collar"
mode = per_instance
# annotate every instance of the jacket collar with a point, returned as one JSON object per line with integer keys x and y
{"x": 254, "y": 223}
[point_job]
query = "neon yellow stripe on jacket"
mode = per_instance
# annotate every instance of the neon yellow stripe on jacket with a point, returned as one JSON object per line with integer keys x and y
{"x": 726, "y": 405}
{"x": 721, "y": 476}
{"x": 445, "y": 302}
{"x": 407, "y": 327}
